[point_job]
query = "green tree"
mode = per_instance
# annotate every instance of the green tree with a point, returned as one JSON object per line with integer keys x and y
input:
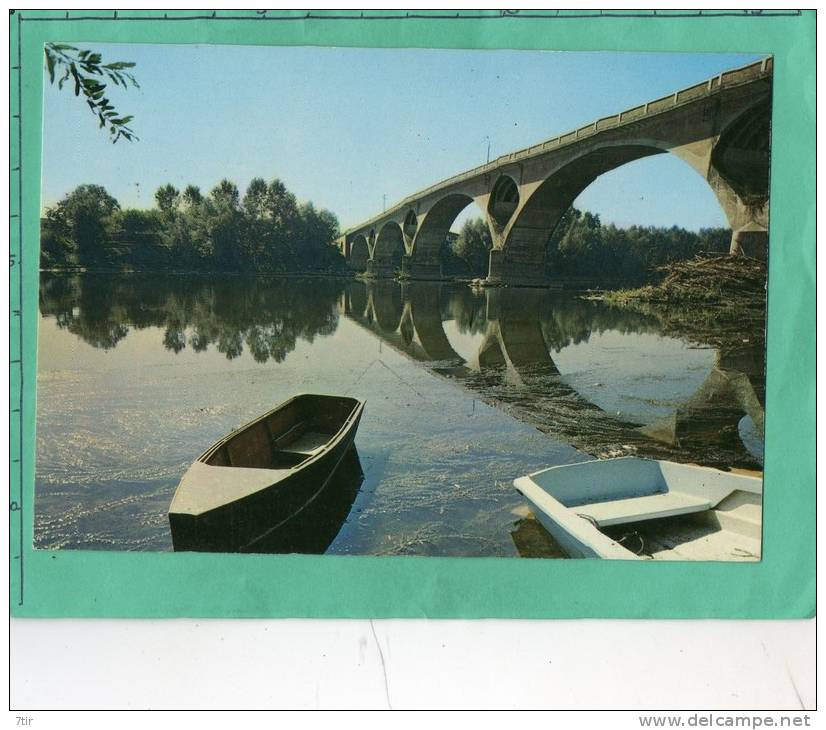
{"x": 580, "y": 248}
{"x": 85, "y": 216}
{"x": 473, "y": 246}
{"x": 135, "y": 222}
{"x": 57, "y": 246}
{"x": 225, "y": 195}
{"x": 318, "y": 229}
{"x": 282, "y": 215}
{"x": 282, "y": 206}
{"x": 192, "y": 198}
{"x": 258, "y": 230}
{"x": 140, "y": 235}
{"x": 223, "y": 218}
{"x": 568, "y": 218}
{"x": 89, "y": 75}
{"x": 167, "y": 198}
{"x": 188, "y": 234}
{"x": 255, "y": 200}
{"x": 716, "y": 240}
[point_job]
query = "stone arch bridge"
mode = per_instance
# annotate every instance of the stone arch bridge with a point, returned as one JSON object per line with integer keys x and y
{"x": 720, "y": 127}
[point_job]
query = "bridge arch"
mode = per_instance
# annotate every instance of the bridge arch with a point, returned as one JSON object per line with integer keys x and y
{"x": 739, "y": 175}
{"x": 504, "y": 200}
{"x": 359, "y": 253}
{"x": 389, "y": 249}
{"x": 515, "y": 349}
{"x": 734, "y": 164}
{"x": 434, "y": 227}
{"x": 741, "y": 155}
{"x": 409, "y": 227}
{"x": 526, "y": 237}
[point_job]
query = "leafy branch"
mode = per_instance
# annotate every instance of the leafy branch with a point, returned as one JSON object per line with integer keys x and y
{"x": 67, "y": 63}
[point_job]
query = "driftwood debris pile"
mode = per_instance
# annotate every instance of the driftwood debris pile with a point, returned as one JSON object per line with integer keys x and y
{"x": 730, "y": 292}
{"x": 723, "y": 280}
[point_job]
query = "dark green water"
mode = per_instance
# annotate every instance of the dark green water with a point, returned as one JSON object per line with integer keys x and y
{"x": 138, "y": 375}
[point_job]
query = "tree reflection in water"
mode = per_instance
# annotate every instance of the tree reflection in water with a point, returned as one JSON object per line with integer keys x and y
{"x": 265, "y": 316}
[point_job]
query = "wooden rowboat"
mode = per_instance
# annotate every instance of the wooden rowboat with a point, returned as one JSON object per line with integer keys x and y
{"x": 320, "y": 522}
{"x": 631, "y": 508}
{"x": 263, "y": 476}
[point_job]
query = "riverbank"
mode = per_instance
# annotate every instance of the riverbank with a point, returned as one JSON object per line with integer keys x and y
{"x": 569, "y": 285}
{"x": 719, "y": 296}
{"x": 201, "y": 273}
{"x": 719, "y": 280}
{"x": 716, "y": 280}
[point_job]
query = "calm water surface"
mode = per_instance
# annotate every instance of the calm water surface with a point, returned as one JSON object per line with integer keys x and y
{"x": 138, "y": 375}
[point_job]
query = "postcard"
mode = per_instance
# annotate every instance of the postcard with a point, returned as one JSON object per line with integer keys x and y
{"x": 311, "y": 322}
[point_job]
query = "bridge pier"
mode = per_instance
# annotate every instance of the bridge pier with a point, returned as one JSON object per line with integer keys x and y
{"x": 418, "y": 269}
{"x": 504, "y": 270}
{"x": 738, "y": 173}
{"x": 749, "y": 220}
{"x": 751, "y": 240}
{"x": 381, "y": 269}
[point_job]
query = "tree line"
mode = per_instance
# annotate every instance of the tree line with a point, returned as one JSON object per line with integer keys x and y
{"x": 581, "y": 246}
{"x": 265, "y": 230}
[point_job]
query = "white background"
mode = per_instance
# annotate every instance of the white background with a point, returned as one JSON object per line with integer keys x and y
{"x": 184, "y": 664}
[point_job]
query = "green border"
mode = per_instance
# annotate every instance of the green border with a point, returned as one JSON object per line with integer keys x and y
{"x": 782, "y": 585}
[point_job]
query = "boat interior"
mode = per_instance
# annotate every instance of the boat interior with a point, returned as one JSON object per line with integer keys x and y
{"x": 287, "y": 436}
{"x": 664, "y": 510}
{"x": 730, "y": 530}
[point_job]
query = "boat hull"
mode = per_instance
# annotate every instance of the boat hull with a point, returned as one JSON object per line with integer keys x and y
{"x": 253, "y": 521}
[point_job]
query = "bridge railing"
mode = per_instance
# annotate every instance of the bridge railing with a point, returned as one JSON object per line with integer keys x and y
{"x": 732, "y": 77}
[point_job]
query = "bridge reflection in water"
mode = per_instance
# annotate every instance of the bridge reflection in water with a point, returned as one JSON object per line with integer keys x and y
{"x": 512, "y": 367}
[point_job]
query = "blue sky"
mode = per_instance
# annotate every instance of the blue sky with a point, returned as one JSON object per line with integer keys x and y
{"x": 345, "y": 127}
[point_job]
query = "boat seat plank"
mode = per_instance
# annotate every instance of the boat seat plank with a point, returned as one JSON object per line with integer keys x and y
{"x": 307, "y": 443}
{"x": 637, "y": 509}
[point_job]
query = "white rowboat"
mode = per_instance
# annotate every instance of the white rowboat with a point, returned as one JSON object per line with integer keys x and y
{"x": 631, "y": 508}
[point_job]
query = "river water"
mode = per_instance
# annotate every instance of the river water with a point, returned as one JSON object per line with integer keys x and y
{"x": 465, "y": 390}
